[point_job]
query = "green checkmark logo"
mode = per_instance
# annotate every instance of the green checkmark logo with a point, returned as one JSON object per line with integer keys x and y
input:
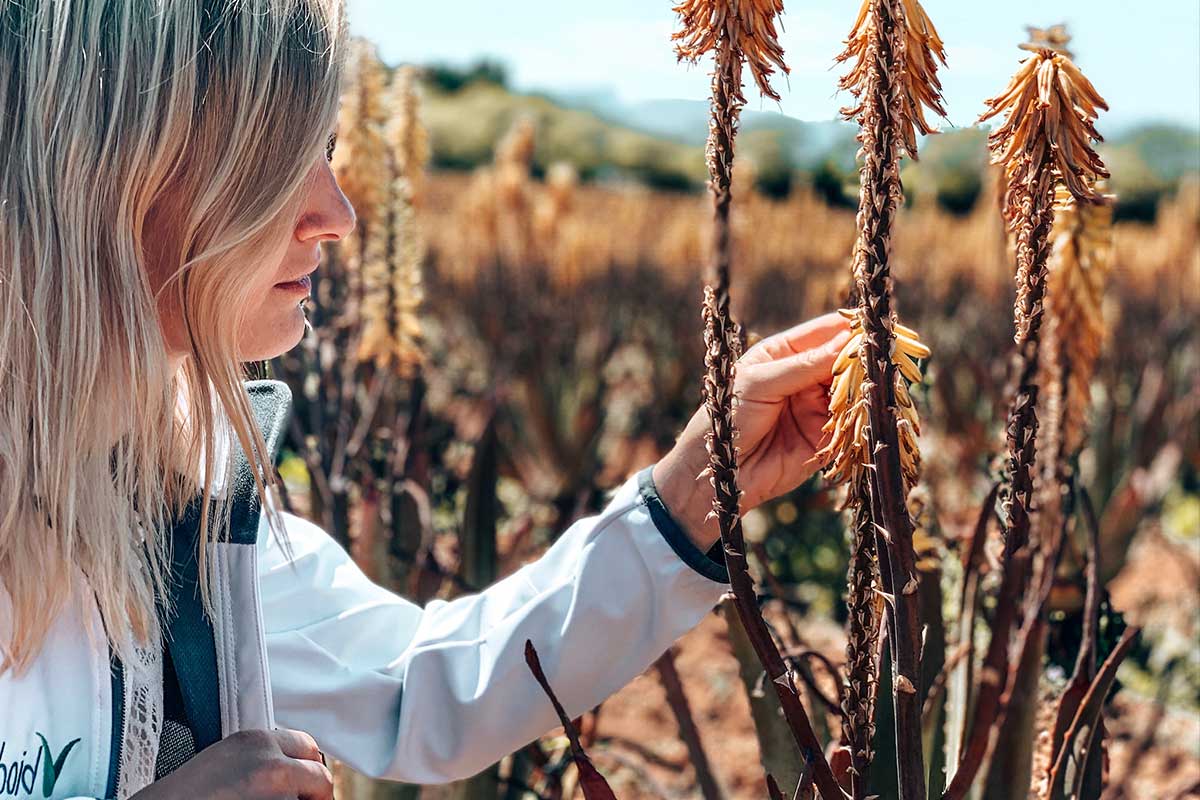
{"x": 51, "y": 766}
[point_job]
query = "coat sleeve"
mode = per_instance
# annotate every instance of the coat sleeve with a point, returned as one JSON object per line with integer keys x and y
{"x": 437, "y": 694}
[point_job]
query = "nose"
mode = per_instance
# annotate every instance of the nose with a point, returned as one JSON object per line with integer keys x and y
{"x": 327, "y": 213}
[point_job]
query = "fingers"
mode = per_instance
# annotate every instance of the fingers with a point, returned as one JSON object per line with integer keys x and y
{"x": 312, "y": 780}
{"x": 774, "y": 380}
{"x": 297, "y": 744}
{"x": 806, "y": 335}
{"x": 309, "y": 777}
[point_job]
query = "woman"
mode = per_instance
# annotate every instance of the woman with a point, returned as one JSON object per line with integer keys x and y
{"x": 167, "y": 631}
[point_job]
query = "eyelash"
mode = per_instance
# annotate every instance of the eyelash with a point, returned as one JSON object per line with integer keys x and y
{"x": 329, "y": 145}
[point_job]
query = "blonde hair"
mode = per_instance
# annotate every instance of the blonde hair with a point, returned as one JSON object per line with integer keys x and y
{"x": 206, "y": 116}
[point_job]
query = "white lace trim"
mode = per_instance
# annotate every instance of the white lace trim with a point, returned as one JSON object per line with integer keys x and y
{"x": 143, "y": 721}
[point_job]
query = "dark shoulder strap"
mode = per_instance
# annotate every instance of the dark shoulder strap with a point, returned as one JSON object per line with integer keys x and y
{"x": 271, "y": 402}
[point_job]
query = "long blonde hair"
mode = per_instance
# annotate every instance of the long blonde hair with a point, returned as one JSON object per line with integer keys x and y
{"x": 207, "y": 114}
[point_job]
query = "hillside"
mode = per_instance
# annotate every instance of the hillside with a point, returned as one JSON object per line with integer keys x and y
{"x": 661, "y": 144}
{"x": 465, "y": 126}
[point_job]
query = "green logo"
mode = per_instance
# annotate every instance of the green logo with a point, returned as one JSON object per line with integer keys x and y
{"x": 51, "y": 766}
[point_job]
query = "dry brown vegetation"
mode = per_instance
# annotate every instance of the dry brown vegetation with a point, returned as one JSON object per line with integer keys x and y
{"x": 561, "y": 351}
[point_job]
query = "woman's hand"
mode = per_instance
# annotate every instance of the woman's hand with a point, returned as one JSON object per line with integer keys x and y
{"x": 782, "y": 383}
{"x": 250, "y": 765}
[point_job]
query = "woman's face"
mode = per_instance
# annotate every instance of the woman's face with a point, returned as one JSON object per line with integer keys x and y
{"x": 274, "y": 322}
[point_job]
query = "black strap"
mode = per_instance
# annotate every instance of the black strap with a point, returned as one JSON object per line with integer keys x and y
{"x": 189, "y": 636}
{"x": 271, "y": 402}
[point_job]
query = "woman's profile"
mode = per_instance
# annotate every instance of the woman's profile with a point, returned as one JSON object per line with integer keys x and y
{"x": 166, "y": 629}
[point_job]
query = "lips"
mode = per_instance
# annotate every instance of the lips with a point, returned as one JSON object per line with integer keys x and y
{"x": 308, "y": 272}
{"x": 302, "y": 285}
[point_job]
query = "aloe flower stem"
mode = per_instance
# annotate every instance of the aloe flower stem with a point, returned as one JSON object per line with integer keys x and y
{"x": 858, "y": 706}
{"x": 891, "y": 82}
{"x": 1033, "y": 250}
{"x": 736, "y": 33}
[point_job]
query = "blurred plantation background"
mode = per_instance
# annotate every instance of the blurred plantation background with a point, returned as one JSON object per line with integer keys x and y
{"x": 514, "y": 329}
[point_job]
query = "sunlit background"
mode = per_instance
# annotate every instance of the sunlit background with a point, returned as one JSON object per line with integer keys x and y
{"x": 514, "y": 329}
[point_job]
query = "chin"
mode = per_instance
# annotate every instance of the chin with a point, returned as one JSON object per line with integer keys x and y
{"x": 266, "y": 337}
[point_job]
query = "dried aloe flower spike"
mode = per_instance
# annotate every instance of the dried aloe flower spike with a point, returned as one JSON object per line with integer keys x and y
{"x": 391, "y": 266}
{"x": 362, "y": 145}
{"x": 848, "y": 460}
{"x": 747, "y": 27}
{"x": 1080, "y": 261}
{"x": 1045, "y": 140}
{"x": 848, "y": 453}
{"x": 917, "y": 83}
{"x": 734, "y": 31}
{"x": 1077, "y": 271}
{"x": 894, "y": 52}
{"x": 1051, "y": 111}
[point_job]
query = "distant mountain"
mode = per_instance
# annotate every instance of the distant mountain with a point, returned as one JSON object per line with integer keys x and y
{"x": 806, "y": 144}
{"x": 661, "y": 143}
{"x": 466, "y": 125}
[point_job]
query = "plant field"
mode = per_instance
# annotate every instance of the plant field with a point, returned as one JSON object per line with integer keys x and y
{"x": 493, "y": 351}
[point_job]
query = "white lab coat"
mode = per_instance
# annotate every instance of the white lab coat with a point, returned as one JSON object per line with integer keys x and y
{"x": 423, "y": 695}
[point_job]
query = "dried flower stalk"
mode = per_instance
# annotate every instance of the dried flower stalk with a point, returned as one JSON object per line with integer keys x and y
{"x": 746, "y": 28}
{"x": 734, "y": 32}
{"x": 917, "y": 86}
{"x": 391, "y": 270}
{"x": 1044, "y": 142}
{"x": 895, "y": 52}
{"x": 362, "y": 143}
{"x": 1045, "y": 139}
{"x": 1077, "y": 272}
{"x": 554, "y": 228}
{"x": 410, "y": 140}
{"x": 1078, "y": 269}
{"x": 847, "y": 456}
{"x": 326, "y": 411}
{"x": 862, "y": 641}
{"x": 494, "y": 230}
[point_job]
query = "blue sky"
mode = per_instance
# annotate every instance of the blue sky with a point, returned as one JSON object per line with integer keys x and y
{"x": 1143, "y": 56}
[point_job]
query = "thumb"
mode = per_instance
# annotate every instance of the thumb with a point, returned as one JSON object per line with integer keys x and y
{"x": 775, "y": 380}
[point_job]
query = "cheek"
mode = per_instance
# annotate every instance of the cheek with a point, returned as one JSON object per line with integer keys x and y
{"x": 269, "y": 265}
{"x": 273, "y": 322}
